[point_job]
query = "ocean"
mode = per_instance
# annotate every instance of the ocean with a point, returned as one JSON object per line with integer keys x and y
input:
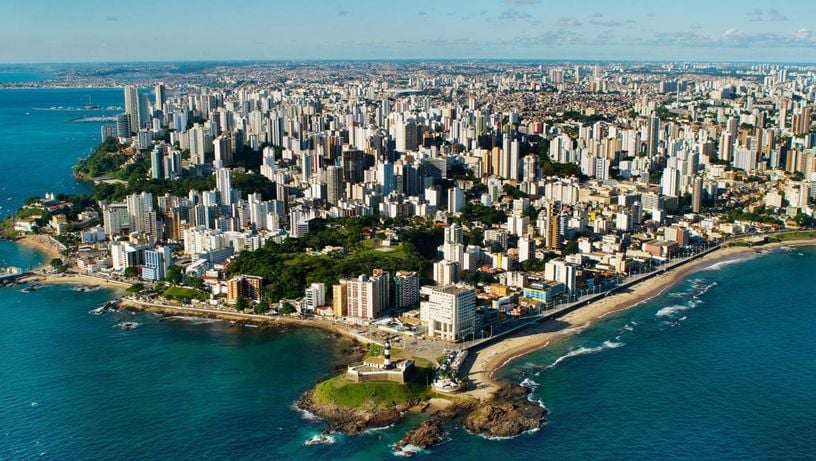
{"x": 719, "y": 367}
{"x": 39, "y": 147}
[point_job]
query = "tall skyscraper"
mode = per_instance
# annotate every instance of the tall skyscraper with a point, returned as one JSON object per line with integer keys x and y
{"x": 223, "y": 183}
{"x": 334, "y": 184}
{"x": 161, "y": 95}
{"x": 654, "y": 136}
{"x": 132, "y": 107}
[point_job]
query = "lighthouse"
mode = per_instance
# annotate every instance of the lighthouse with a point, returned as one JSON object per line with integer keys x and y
{"x": 387, "y": 355}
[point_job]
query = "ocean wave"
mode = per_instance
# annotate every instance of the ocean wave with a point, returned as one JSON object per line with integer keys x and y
{"x": 719, "y": 265}
{"x": 705, "y": 289}
{"x": 586, "y": 351}
{"x": 409, "y": 450}
{"x": 529, "y": 383}
{"x": 672, "y": 310}
{"x": 192, "y": 320}
{"x": 318, "y": 439}
{"x": 306, "y": 414}
{"x": 127, "y": 325}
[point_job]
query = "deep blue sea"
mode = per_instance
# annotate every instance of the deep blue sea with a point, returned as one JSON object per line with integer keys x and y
{"x": 39, "y": 147}
{"x": 722, "y": 366}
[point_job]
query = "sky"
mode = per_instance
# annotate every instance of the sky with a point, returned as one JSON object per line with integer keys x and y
{"x": 170, "y": 30}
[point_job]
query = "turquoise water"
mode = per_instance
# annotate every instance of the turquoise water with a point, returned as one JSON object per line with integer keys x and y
{"x": 38, "y": 147}
{"x": 719, "y": 367}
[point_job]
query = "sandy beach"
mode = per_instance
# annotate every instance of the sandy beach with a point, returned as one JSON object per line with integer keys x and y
{"x": 487, "y": 361}
{"x": 43, "y": 243}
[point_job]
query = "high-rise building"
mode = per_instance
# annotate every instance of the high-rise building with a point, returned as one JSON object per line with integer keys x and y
{"x": 157, "y": 263}
{"x": 315, "y": 296}
{"x": 697, "y": 195}
{"x": 223, "y": 183}
{"x": 138, "y": 207}
{"x": 449, "y": 312}
{"x": 334, "y": 184}
{"x": 406, "y": 289}
{"x": 132, "y": 107}
{"x": 123, "y": 126}
{"x": 245, "y": 286}
{"x": 161, "y": 95}
{"x": 156, "y": 164}
{"x": 367, "y": 296}
{"x": 654, "y": 136}
{"x": 340, "y": 299}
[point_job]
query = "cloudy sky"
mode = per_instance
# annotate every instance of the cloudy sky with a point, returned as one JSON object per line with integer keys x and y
{"x": 167, "y": 30}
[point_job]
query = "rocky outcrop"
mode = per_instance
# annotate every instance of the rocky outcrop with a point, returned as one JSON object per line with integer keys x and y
{"x": 427, "y": 434}
{"x": 508, "y": 414}
{"x": 352, "y": 421}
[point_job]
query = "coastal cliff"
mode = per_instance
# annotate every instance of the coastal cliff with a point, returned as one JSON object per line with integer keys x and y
{"x": 350, "y": 420}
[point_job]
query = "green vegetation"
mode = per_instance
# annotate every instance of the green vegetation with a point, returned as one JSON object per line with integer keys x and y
{"x": 344, "y": 393}
{"x": 760, "y": 215}
{"x": 484, "y": 214}
{"x": 131, "y": 272}
{"x": 287, "y": 269}
{"x": 374, "y": 350}
{"x": 802, "y": 235}
{"x": 106, "y": 158}
{"x": 184, "y": 294}
{"x": 135, "y": 288}
{"x": 286, "y": 309}
{"x": 57, "y": 265}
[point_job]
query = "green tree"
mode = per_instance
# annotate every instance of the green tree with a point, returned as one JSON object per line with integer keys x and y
{"x": 174, "y": 275}
{"x": 195, "y": 282}
{"x": 131, "y": 272}
{"x": 262, "y": 307}
{"x": 241, "y": 304}
{"x": 135, "y": 288}
{"x": 57, "y": 264}
{"x": 286, "y": 309}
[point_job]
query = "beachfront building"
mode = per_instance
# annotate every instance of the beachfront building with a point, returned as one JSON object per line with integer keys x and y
{"x": 449, "y": 312}
{"x": 246, "y": 286}
{"x": 315, "y": 296}
{"x": 367, "y": 296}
{"x": 157, "y": 263}
{"x": 561, "y": 271}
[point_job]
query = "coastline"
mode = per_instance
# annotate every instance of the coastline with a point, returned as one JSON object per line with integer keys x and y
{"x": 488, "y": 361}
{"x": 75, "y": 279}
{"x": 44, "y": 244}
{"x": 339, "y": 329}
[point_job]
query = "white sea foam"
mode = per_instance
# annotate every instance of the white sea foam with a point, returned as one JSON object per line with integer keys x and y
{"x": 324, "y": 439}
{"x": 628, "y": 328}
{"x": 672, "y": 310}
{"x": 586, "y": 351}
{"x": 409, "y": 450}
{"x": 193, "y": 320}
{"x": 705, "y": 289}
{"x": 306, "y": 414}
{"x": 719, "y": 265}
{"x": 527, "y": 382}
{"x": 127, "y": 325}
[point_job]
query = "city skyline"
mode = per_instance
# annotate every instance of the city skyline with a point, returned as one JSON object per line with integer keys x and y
{"x": 92, "y": 31}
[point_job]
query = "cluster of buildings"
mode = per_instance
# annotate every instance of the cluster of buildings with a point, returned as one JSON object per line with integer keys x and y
{"x": 660, "y": 163}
